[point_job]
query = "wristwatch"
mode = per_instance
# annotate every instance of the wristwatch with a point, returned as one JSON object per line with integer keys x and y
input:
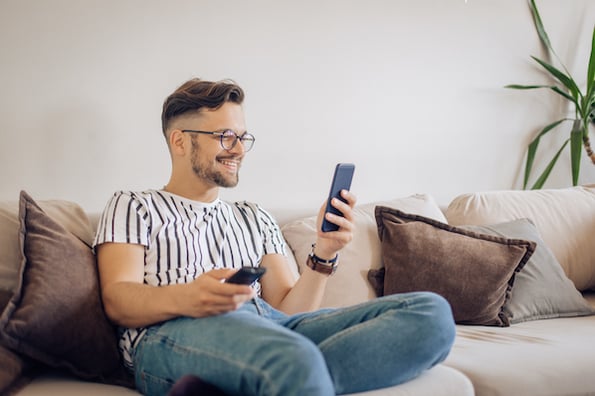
{"x": 327, "y": 267}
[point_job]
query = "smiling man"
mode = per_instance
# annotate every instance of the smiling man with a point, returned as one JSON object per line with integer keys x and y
{"x": 164, "y": 255}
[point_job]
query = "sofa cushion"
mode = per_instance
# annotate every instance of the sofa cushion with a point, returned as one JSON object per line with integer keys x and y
{"x": 539, "y": 357}
{"x": 11, "y": 371}
{"x": 531, "y": 296}
{"x": 565, "y": 219}
{"x": 437, "y": 381}
{"x": 361, "y": 254}
{"x": 68, "y": 214}
{"x": 5, "y": 296}
{"x": 541, "y": 289}
{"x": 55, "y": 315}
{"x": 472, "y": 269}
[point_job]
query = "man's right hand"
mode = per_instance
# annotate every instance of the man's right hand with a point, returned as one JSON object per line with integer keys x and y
{"x": 209, "y": 295}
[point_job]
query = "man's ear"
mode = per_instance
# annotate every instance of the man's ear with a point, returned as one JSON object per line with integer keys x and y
{"x": 177, "y": 142}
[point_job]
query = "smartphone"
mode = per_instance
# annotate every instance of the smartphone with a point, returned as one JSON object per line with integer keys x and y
{"x": 341, "y": 181}
{"x": 246, "y": 275}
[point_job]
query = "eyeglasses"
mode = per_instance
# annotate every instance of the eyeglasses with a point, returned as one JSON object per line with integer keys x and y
{"x": 229, "y": 138}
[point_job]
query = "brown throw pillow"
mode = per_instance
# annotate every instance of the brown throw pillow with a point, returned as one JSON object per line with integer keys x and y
{"x": 11, "y": 370}
{"x": 55, "y": 315}
{"x": 473, "y": 271}
{"x": 5, "y": 296}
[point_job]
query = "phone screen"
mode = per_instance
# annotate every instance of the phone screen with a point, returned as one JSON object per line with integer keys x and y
{"x": 341, "y": 181}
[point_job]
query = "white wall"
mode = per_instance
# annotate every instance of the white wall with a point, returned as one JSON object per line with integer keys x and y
{"x": 409, "y": 90}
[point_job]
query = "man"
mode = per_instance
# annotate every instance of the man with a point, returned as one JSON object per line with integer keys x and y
{"x": 164, "y": 255}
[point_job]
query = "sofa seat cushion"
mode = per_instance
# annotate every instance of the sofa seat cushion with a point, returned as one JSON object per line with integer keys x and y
{"x": 59, "y": 383}
{"x": 543, "y": 357}
{"x": 439, "y": 381}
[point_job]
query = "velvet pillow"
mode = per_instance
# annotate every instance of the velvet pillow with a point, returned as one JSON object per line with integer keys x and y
{"x": 541, "y": 289}
{"x": 68, "y": 214}
{"x": 11, "y": 371}
{"x": 55, "y": 315}
{"x": 5, "y": 297}
{"x": 13, "y": 365}
{"x": 474, "y": 271}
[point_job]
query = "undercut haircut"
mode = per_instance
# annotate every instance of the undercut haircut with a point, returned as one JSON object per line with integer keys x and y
{"x": 197, "y": 94}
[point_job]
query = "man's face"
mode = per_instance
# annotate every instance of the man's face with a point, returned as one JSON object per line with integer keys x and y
{"x": 210, "y": 161}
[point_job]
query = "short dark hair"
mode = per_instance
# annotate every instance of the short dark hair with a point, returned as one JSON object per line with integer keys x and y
{"x": 196, "y": 94}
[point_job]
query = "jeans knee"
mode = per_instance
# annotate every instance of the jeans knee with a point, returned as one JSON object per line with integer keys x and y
{"x": 297, "y": 363}
{"x": 438, "y": 324}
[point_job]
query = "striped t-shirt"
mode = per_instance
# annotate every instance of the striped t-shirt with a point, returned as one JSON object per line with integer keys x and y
{"x": 185, "y": 238}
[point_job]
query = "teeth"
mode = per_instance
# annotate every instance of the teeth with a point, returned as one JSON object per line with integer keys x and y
{"x": 229, "y": 163}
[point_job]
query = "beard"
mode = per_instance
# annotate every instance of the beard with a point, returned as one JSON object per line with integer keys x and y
{"x": 207, "y": 171}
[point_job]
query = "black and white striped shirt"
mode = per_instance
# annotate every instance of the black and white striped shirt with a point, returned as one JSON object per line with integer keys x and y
{"x": 185, "y": 238}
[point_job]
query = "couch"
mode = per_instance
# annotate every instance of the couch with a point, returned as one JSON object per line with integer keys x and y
{"x": 518, "y": 268}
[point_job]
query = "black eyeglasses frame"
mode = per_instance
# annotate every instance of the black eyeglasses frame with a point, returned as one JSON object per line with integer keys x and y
{"x": 247, "y": 139}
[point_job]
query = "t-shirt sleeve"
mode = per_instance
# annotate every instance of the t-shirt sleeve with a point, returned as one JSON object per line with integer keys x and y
{"x": 125, "y": 219}
{"x": 272, "y": 238}
{"x": 274, "y": 243}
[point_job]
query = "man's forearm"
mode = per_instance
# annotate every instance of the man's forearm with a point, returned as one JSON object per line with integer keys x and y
{"x": 133, "y": 305}
{"x": 306, "y": 295}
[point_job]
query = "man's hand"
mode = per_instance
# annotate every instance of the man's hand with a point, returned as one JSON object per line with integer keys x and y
{"x": 328, "y": 244}
{"x": 209, "y": 295}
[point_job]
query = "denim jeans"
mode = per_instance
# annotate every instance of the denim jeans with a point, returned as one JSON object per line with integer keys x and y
{"x": 257, "y": 350}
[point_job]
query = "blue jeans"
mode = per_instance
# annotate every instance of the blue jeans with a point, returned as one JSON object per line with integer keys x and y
{"x": 258, "y": 350}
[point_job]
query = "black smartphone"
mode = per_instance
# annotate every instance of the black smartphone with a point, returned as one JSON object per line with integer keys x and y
{"x": 246, "y": 275}
{"x": 341, "y": 181}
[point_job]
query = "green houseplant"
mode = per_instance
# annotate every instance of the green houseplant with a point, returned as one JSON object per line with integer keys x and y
{"x": 583, "y": 104}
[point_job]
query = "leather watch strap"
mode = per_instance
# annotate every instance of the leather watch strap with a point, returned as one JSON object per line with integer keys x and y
{"x": 327, "y": 269}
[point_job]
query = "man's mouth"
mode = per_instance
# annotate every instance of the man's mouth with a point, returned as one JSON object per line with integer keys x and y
{"x": 231, "y": 165}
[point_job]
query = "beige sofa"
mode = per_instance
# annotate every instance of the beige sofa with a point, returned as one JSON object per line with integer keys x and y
{"x": 527, "y": 329}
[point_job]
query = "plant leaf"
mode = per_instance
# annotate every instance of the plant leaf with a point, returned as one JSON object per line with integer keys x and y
{"x": 564, "y": 94}
{"x": 518, "y": 86}
{"x": 532, "y": 149}
{"x": 589, "y": 99}
{"x": 539, "y": 26}
{"x": 554, "y": 88}
{"x": 576, "y": 145}
{"x": 567, "y": 81}
{"x": 590, "y": 105}
{"x": 546, "y": 173}
{"x": 591, "y": 69}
